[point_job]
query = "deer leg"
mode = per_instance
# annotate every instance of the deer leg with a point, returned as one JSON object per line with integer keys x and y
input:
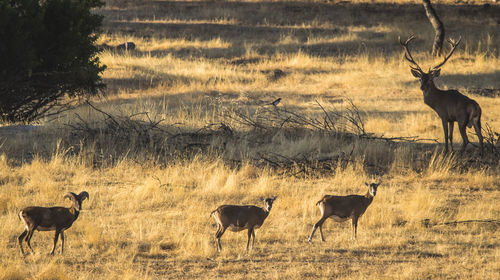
{"x": 253, "y": 240}
{"x": 28, "y": 239}
{"x": 217, "y": 244}
{"x": 55, "y": 241}
{"x": 218, "y": 235}
{"x": 249, "y": 237}
{"x": 445, "y": 129}
{"x": 321, "y": 233}
{"x": 462, "y": 127}
{"x": 62, "y": 241}
{"x": 20, "y": 239}
{"x": 477, "y": 128}
{"x": 318, "y": 224}
{"x": 355, "y": 227}
{"x": 450, "y": 133}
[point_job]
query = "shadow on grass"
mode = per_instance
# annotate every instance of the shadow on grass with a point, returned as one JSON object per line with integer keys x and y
{"x": 379, "y": 252}
{"x": 115, "y": 85}
{"x": 484, "y": 84}
{"x": 476, "y": 80}
{"x": 299, "y": 13}
{"x": 266, "y": 40}
{"x": 268, "y": 26}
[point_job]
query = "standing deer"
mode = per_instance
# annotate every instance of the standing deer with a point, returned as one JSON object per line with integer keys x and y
{"x": 238, "y": 218}
{"x": 450, "y": 105}
{"x": 58, "y": 219}
{"x": 342, "y": 208}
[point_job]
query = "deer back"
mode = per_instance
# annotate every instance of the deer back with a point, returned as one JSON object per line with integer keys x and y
{"x": 48, "y": 218}
{"x": 237, "y": 216}
{"x": 344, "y": 206}
{"x": 452, "y": 105}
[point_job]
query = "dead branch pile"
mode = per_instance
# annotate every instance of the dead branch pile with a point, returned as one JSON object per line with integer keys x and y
{"x": 259, "y": 135}
{"x": 346, "y": 120}
{"x": 251, "y": 131}
{"x": 492, "y": 140}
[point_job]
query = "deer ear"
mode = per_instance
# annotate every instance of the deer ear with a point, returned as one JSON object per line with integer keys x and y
{"x": 436, "y": 73}
{"x": 416, "y": 73}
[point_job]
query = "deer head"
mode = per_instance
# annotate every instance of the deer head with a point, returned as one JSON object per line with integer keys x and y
{"x": 77, "y": 199}
{"x": 269, "y": 203}
{"x": 426, "y": 78}
{"x": 372, "y": 188}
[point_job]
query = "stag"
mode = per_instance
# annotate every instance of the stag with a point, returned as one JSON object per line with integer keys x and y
{"x": 450, "y": 105}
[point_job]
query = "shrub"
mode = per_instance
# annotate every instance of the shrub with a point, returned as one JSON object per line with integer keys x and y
{"x": 48, "y": 55}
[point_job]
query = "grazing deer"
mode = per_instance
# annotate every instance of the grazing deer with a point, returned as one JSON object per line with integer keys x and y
{"x": 342, "y": 208}
{"x": 58, "y": 219}
{"x": 238, "y": 218}
{"x": 450, "y": 105}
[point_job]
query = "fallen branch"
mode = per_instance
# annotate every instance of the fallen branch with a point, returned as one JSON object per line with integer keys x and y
{"x": 407, "y": 139}
{"x": 469, "y": 221}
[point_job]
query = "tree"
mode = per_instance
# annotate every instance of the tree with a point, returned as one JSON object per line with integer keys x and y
{"x": 438, "y": 27}
{"x": 48, "y": 55}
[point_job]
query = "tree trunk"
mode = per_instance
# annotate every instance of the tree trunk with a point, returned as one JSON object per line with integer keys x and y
{"x": 438, "y": 27}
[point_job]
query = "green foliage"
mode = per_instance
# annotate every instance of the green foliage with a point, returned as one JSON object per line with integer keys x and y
{"x": 47, "y": 54}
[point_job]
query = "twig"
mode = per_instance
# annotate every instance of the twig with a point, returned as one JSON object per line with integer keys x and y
{"x": 270, "y": 161}
{"x": 326, "y": 114}
{"x": 100, "y": 111}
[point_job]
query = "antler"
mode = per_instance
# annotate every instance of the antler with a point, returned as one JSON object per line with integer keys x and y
{"x": 453, "y": 47}
{"x": 408, "y": 55}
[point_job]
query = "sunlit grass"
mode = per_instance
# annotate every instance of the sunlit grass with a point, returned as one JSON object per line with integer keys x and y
{"x": 164, "y": 212}
{"x": 148, "y": 216}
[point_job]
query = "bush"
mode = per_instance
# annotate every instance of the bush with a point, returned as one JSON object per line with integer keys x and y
{"x": 48, "y": 55}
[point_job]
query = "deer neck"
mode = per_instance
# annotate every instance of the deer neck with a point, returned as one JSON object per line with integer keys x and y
{"x": 74, "y": 212}
{"x": 265, "y": 213}
{"x": 368, "y": 198}
{"x": 431, "y": 94}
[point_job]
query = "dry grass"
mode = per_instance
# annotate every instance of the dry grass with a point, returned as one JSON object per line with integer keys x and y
{"x": 153, "y": 222}
{"x": 150, "y": 198}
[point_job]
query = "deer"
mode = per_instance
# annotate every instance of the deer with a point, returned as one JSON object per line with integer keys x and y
{"x": 450, "y": 105}
{"x": 240, "y": 217}
{"x": 342, "y": 208}
{"x": 56, "y": 219}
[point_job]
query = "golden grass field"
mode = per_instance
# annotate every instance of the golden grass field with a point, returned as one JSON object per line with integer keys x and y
{"x": 157, "y": 160}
